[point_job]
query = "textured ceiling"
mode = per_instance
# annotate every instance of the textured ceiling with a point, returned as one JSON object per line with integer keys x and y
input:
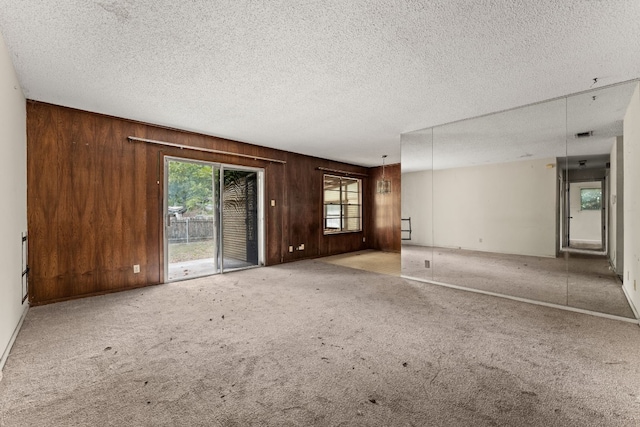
{"x": 335, "y": 79}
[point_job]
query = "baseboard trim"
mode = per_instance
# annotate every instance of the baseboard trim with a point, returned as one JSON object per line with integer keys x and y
{"x": 630, "y": 301}
{"x": 12, "y": 340}
{"x": 529, "y": 301}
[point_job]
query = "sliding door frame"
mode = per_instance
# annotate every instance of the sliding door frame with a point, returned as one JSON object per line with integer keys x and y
{"x": 219, "y": 255}
{"x": 261, "y": 233}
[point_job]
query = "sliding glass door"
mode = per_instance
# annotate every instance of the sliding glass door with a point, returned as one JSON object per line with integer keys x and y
{"x": 212, "y": 218}
{"x": 240, "y": 218}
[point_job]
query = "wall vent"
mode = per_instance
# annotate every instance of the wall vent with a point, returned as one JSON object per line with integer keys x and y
{"x": 584, "y": 134}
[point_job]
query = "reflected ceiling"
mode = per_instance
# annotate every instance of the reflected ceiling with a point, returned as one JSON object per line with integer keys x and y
{"x": 542, "y": 130}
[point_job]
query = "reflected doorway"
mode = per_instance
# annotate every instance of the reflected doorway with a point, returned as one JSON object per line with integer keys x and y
{"x": 586, "y": 211}
{"x": 213, "y": 218}
{"x": 585, "y": 217}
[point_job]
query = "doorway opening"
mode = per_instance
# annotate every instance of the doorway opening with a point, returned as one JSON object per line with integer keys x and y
{"x": 583, "y": 195}
{"x": 213, "y": 218}
{"x": 586, "y": 210}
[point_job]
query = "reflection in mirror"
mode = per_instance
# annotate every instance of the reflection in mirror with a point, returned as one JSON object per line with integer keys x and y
{"x": 593, "y": 221}
{"x": 417, "y": 224}
{"x": 495, "y": 186}
{"x": 496, "y": 195}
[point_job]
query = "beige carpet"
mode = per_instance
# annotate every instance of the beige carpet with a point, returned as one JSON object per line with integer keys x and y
{"x": 369, "y": 260}
{"x": 315, "y": 344}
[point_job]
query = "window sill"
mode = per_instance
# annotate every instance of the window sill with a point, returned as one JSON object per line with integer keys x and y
{"x": 331, "y": 233}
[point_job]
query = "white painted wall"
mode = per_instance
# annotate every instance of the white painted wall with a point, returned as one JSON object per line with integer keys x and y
{"x": 616, "y": 206}
{"x": 503, "y": 208}
{"x": 612, "y": 203}
{"x": 584, "y": 226}
{"x": 13, "y": 194}
{"x": 417, "y": 205}
{"x": 632, "y": 199}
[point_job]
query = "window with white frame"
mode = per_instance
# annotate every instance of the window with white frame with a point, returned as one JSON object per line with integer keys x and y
{"x": 342, "y": 204}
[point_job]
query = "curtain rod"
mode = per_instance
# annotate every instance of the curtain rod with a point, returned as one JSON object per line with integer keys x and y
{"x": 341, "y": 171}
{"x": 206, "y": 150}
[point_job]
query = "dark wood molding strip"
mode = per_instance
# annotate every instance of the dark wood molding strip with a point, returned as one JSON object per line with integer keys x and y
{"x": 206, "y": 150}
{"x": 341, "y": 171}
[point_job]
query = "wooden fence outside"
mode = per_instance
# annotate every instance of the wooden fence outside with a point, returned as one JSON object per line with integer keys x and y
{"x": 187, "y": 230}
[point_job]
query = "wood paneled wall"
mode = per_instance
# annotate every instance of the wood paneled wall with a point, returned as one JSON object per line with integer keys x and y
{"x": 384, "y": 211}
{"x": 94, "y": 201}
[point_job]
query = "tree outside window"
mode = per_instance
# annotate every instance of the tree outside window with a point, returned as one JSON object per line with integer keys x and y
{"x": 590, "y": 199}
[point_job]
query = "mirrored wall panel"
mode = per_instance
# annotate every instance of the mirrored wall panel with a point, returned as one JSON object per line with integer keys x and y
{"x": 523, "y": 203}
{"x": 592, "y": 216}
{"x": 417, "y": 200}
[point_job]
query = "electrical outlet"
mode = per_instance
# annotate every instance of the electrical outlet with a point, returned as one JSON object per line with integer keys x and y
{"x": 273, "y": 202}
{"x": 136, "y": 268}
{"x": 290, "y": 248}
{"x": 301, "y": 247}
{"x": 364, "y": 239}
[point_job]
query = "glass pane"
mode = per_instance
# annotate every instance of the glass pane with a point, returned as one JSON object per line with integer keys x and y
{"x": 351, "y": 198}
{"x": 417, "y": 198}
{"x": 352, "y": 185}
{"x": 191, "y": 231}
{"x": 240, "y": 219}
{"x": 332, "y": 210}
{"x": 352, "y": 224}
{"x": 500, "y": 203}
{"x": 332, "y": 223}
{"x": 594, "y": 220}
{"x": 342, "y": 210}
{"x": 352, "y": 217}
{"x": 495, "y": 198}
{"x": 332, "y": 217}
{"x": 332, "y": 197}
{"x": 590, "y": 199}
{"x": 331, "y": 182}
